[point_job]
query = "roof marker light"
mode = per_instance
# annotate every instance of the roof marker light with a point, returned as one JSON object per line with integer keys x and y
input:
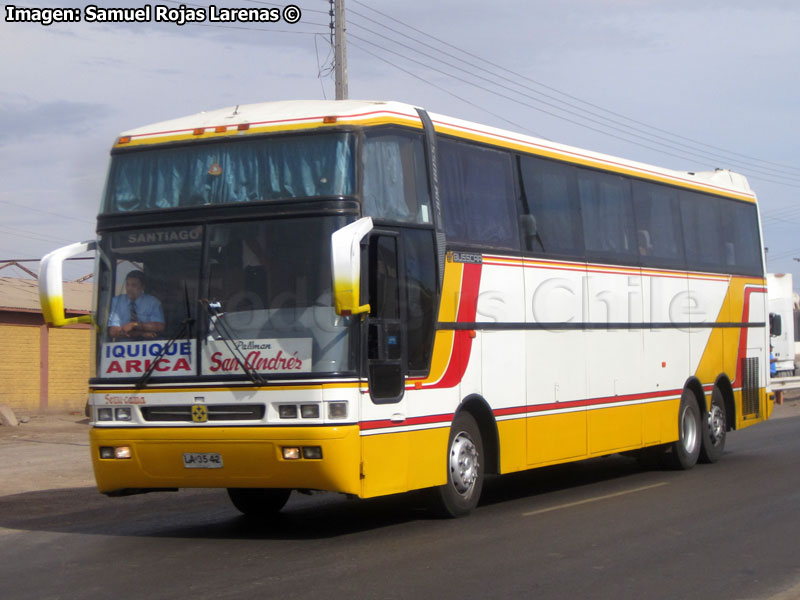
{"x": 243, "y": 126}
{"x": 330, "y": 119}
{"x": 199, "y": 131}
{"x": 125, "y": 139}
{"x": 221, "y": 128}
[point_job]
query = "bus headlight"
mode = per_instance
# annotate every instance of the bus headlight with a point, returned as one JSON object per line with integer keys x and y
{"x": 105, "y": 414}
{"x": 123, "y": 414}
{"x": 287, "y": 411}
{"x": 309, "y": 411}
{"x": 337, "y": 410}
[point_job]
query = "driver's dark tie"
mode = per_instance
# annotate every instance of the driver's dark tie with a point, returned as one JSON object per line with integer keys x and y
{"x": 134, "y": 316}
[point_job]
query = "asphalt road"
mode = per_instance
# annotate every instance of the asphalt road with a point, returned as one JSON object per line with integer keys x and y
{"x": 600, "y": 529}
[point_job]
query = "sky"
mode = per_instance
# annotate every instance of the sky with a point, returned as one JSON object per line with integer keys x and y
{"x": 685, "y": 84}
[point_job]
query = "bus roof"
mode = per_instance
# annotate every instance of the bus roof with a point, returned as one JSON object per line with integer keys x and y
{"x": 292, "y": 115}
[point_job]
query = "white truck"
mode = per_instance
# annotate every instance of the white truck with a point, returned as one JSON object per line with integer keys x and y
{"x": 781, "y": 321}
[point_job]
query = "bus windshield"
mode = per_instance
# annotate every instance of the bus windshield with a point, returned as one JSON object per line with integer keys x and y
{"x": 228, "y": 299}
{"x": 257, "y": 170}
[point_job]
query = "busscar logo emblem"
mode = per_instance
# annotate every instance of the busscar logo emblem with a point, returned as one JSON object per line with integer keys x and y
{"x": 199, "y": 413}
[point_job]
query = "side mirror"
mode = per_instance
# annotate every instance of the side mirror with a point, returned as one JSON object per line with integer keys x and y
{"x": 775, "y": 325}
{"x": 51, "y": 284}
{"x": 346, "y": 267}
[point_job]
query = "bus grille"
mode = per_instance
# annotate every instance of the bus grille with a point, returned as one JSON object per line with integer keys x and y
{"x": 216, "y": 412}
{"x": 750, "y": 403}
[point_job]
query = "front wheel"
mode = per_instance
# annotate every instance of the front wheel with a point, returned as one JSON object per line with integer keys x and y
{"x": 258, "y": 502}
{"x": 683, "y": 453}
{"x": 715, "y": 426}
{"x": 460, "y": 495}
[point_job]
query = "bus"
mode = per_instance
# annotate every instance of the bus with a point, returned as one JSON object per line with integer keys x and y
{"x": 368, "y": 298}
{"x": 780, "y": 293}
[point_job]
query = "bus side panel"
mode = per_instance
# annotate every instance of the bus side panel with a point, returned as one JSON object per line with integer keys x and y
{"x": 512, "y": 435}
{"x": 384, "y": 464}
{"x": 556, "y": 361}
{"x": 706, "y": 304}
{"x": 398, "y": 462}
{"x": 556, "y": 438}
{"x": 615, "y": 429}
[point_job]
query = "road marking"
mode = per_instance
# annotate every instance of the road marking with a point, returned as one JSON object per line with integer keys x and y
{"x": 596, "y": 499}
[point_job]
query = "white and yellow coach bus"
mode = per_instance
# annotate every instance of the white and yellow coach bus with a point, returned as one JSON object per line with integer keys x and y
{"x": 366, "y": 298}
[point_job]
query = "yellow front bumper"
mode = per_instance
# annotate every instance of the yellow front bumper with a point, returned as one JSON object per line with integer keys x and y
{"x": 251, "y": 457}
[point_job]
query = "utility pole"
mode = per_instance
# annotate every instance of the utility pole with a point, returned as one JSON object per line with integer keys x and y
{"x": 340, "y": 51}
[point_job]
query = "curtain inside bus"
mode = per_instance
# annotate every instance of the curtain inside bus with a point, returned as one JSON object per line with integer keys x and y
{"x": 274, "y": 168}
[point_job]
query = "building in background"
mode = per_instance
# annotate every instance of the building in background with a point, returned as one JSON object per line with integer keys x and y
{"x": 42, "y": 368}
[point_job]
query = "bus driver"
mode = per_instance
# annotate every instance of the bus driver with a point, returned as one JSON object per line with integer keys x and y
{"x": 135, "y": 314}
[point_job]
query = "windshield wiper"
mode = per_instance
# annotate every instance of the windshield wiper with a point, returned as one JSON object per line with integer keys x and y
{"x": 212, "y": 308}
{"x": 186, "y": 325}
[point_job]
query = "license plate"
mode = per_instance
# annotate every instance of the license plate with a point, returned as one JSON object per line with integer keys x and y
{"x": 202, "y": 460}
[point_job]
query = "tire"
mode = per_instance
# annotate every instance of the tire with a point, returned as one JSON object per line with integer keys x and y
{"x": 465, "y": 469}
{"x": 259, "y": 502}
{"x": 715, "y": 427}
{"x": 683, "y": 453}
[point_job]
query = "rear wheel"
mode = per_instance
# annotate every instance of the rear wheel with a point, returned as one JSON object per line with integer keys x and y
{"x": 258, "y": 502}
{"x": 683, "y": 453}
{"x": 715, "y": 426}
{"x": 460, "y": 495}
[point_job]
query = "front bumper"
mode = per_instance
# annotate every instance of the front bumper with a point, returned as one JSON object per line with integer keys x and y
{"x": 251, "y": 457}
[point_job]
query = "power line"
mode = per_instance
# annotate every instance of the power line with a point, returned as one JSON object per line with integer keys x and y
{"x": 548, "y": 112}
{"x": 438, "y": 87}
{"x": 552, "y": 89}
{"x": 792, "y": 180}
{"x": 47, "y": 212}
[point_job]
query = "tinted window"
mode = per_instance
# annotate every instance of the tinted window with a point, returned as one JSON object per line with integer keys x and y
{"x": 607, "y": 213}
{"x": 658, "y": 225}
{"x": 395, "y": 177}
{"x": 478, "y": 194}
{"x": 702, "y": 231}
{"x": 551, "y": 199}
{"x": 741, "y": 247}
{"x": 420, "y": 296}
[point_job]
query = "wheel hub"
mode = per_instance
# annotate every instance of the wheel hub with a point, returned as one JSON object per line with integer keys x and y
{"x": 689, "y": 430}
{"x": 716, "y": 423}
{"x": 463, "y": 464}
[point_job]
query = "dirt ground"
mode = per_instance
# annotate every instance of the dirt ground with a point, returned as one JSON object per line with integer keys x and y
{"x": 51, "y": 451}
{"x": 48, "y": 452}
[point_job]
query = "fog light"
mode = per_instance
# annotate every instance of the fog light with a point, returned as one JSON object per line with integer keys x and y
{"x": 309, "y": 411}
{"x": 123, "y": 414}
{"x": 337, "y": 410}
{"x": 291, "y": 453}
{"x": 105, "y": 414}
{"x": 312, "y": 452}
{"x": 287, "y": 411}
{"x": 106, "y": 452}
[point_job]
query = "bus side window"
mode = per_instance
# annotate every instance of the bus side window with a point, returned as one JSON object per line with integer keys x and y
{"x": 395, "y": 177}
{"x": 479, "y": 196}
{"x": 702, "y": 235}
{"x": 658, "y": 225}
{"x": 607, "y": 213}
{"x": 551, "y": 210}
